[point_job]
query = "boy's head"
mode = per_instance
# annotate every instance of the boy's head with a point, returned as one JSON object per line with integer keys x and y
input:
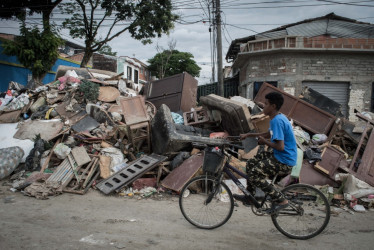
{"x": 276, "y": 99}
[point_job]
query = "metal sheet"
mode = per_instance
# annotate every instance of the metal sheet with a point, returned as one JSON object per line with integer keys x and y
{"x": 179, "y": 176}
{"x": 304, "y": 114}
{"x": 86, "y": 124}
{"x": 133, "y": 110}
{"x": 129, "y": 174}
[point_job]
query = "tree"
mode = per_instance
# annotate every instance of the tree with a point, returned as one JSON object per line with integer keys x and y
{"x": 107, "y": 50}
{"x": 35, "y": 49}
{"x": 143, "y": 19}
{"x": 178, "y": 62}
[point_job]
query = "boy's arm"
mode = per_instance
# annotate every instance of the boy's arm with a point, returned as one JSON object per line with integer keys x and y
{"x": 278, "y": 144}
{"x": 265, "y": 135}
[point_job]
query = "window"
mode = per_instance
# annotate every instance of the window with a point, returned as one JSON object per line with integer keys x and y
{"x": 129, "y": 73}
{"x": 136, "y": 76}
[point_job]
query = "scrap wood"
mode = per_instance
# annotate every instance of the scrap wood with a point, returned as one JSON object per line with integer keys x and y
{"x": 90, "y": 174}
{"x": 49, "y": 156}
{"x": 83, "y": 191}
{"x": 180, "y": 175}
{"x": 73, "y": 165}
{"x": 84, "y": 176}
{"x": 80, "y": 155}
{"x": 105, "y": 166}
{"x": 116, "y": 77}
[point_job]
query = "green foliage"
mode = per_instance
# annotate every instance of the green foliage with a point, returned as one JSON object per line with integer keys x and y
{"x": 35, "y": 49}
{"x": 179, "y": 62}
{"x": 143, "y": 19}
{"x": 107, "y": 50}
{"x": 90, "y": 90}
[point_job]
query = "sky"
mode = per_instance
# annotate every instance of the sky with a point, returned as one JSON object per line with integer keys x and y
{"x": 240, "y": 18}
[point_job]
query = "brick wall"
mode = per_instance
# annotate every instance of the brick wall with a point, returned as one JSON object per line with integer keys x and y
{"x": 290, "y": 69}
{"x": 338, "y": 43}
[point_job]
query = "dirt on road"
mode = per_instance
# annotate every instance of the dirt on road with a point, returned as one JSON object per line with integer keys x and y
{"x": 97, "y": 221}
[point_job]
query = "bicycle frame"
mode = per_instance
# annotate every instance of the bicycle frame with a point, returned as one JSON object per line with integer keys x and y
{"x": 227, "y": 170}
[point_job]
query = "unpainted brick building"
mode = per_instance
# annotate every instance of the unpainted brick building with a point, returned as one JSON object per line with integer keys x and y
{"x": 331, "y": 54}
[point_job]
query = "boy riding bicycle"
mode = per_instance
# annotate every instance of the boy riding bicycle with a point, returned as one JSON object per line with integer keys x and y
{"x": 280, "y": 138}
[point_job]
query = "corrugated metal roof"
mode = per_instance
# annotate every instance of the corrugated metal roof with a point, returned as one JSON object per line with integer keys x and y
{"x": 314, "y": 28}
{"x": 353, "y": 30}
{"x": 271, "y": 35}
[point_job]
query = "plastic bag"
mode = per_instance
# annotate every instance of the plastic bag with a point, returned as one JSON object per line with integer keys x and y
{"x": 62, "y": 151}
{"x": 319, "y": 138}
{"x": 301, "y": 135}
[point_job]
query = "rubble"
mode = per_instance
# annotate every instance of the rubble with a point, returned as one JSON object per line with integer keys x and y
{"x": 94, "y": 130}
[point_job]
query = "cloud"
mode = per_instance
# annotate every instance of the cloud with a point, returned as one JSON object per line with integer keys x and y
{"x": 240, "y": 19}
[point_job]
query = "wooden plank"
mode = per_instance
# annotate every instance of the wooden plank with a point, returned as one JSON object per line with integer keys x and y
{"x": 49, "y": 156}
{"x": 80, "y": 155}
{"x": 92, "y": 171}
{"x": 179, "y": 176}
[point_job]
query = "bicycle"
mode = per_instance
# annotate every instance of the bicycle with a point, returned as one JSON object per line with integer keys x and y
{"x": 207, "y": 202}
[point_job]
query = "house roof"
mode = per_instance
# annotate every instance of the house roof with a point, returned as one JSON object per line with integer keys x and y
{"x": 330, "y": 24}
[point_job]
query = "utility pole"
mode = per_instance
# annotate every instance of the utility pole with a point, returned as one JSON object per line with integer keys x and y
{"x": 219, "y": 49}
{"x": 212, "y": 31}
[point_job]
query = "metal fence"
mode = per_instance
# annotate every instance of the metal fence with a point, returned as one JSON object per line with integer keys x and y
{"x": 230, "y": 88}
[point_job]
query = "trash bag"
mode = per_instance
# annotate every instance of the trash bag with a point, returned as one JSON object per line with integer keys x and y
{"x": 33, "y": 159}
{"x": 177, "y": 118}
{"x": 10, "y": 159}
{"x": 301, "y": 135}
{"x": 319, "y": 138}
{"x": 313, "y": 154}
{"x": 61, "y": 151}
{"x": 179, "y": 159}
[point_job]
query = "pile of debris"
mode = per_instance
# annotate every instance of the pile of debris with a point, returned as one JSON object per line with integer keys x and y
{"x": 94, "y": 129}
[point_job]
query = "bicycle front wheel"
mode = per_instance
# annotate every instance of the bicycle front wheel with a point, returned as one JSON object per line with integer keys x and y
{"x": 205, "y": 202}
{"x": 307, "y": 215}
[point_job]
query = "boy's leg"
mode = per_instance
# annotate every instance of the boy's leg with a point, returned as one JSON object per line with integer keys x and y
{"x": 266, "y": 166}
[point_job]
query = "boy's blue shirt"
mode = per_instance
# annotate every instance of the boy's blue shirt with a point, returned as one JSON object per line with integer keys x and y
{"x": 281, "y": 130}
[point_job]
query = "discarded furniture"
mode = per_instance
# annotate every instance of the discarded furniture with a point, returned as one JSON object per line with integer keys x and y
{"x": 130, "y": 173}
{"x": 178, "y": 92}
{"x": 166, "y": 138}
{"x": 234, "y": 116}
{"x": 309, "y": 175}
{"x": 84, "y": 178}
{"x": 179, "y": 176}
{"x": 304, "y": 114}
{"x": 332, "y": 159}
{"x": 195, "y": 117}
{"x": 137, "y": 122}
{"x": 362, "y": 165}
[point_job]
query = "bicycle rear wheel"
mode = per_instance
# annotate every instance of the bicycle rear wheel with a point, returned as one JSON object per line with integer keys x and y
{"x": 307, "y": 215}
{"x": 206, "y": 203}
